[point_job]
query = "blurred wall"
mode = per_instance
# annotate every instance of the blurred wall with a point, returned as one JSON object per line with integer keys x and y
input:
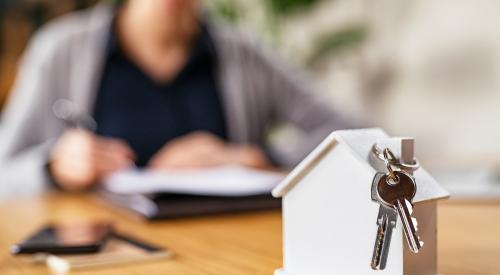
{"x": 444, "y": 60}
{"x": 428, "y": 69}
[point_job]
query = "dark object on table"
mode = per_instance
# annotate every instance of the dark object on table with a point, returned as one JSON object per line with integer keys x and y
{"x": 75, "y": 238}
{"x": 167, "y": 206}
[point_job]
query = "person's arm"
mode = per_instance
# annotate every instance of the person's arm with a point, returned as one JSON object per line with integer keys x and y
{"x": 26, "y": 122}
{"x": 294, "y": 100}
{"x": 34, "y": 152}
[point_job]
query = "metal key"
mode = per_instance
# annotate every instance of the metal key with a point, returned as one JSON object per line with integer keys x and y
{"x": 386, "y": 221}
{"x": 396, "y": 189}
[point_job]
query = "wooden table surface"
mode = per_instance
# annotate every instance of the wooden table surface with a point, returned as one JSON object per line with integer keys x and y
{"x": 235, "y": 244}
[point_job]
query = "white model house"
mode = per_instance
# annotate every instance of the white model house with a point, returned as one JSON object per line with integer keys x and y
{"x": 329, "y": 217}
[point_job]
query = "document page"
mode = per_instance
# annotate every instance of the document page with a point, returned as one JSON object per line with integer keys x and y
{"x": 219, "y": 181}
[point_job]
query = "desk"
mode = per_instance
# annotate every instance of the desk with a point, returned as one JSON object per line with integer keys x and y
{"x": 236, "y": 244}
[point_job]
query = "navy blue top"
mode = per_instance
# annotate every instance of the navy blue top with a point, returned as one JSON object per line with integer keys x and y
{"x": 146, "y": 114}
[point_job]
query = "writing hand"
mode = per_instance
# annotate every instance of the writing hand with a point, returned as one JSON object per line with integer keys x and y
{"x": 80, "y": 159}
{"x": 202, "y": 149}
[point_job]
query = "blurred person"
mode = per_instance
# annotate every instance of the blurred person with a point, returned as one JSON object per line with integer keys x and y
{"x": 167, "y": 89}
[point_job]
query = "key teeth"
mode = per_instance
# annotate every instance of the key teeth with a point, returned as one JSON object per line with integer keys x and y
{"x": 378, "y": 247}
{"x": 410, "y": 210}
{"x": 420, "y": 242}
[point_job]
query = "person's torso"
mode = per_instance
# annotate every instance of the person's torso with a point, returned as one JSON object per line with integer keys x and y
{"x": 130, "y": 105}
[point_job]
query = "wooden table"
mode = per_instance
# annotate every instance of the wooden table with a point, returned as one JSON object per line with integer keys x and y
{"x": 236, "y": 244}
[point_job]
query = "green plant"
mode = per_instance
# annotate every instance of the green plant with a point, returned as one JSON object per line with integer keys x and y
{"x": 333, "y": 43}
{"x": 285, "y": 7}
{"x": 229, "y": 11}
{"x": 275, "y": 13}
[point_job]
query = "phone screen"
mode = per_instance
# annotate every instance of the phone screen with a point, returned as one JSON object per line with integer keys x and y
{"x": 66, "y": 239}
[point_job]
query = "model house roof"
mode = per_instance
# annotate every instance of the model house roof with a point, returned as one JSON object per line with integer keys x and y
{"x": 360, "y": 143}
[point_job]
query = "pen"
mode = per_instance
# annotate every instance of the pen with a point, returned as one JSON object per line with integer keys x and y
{"x": 66, "y": 111}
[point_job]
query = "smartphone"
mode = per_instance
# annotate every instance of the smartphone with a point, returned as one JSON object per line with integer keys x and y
{"x": 72, "y": 238}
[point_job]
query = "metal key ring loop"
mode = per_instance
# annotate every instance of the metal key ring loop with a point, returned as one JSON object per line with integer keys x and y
{"x": 377, "y": 152}
{"x": 389, "y": 158}
{"x": 409, "y": 167}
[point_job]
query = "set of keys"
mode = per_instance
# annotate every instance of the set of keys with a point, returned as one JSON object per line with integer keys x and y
{"x": 394, "y": 190}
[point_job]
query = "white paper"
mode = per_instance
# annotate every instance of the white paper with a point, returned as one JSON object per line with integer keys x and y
{"x": 220, "y": 181}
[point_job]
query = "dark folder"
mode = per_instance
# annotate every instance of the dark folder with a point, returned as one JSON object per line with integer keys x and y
{"x": 165, "y": 206}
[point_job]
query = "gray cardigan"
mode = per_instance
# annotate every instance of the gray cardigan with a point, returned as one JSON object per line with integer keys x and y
{"x": 65, "y": 60}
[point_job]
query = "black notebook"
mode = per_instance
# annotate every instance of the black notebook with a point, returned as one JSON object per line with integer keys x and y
{"x": 166, "y": 206}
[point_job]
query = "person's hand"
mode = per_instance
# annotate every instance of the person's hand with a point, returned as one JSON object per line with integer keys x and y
{"x": 201, "y": 149}
{"x": 80, "y": 159}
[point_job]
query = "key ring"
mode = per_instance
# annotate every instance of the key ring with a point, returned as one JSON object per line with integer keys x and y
{"x": 389, "y": 159}
{"x": 409, "y": 167}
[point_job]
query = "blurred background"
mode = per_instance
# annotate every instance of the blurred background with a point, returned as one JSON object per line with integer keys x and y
{"x": 427, "y": 69}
